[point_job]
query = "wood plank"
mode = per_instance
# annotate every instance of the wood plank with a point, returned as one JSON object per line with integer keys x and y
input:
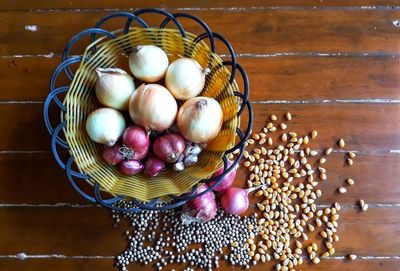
{"x": 108, "y": 264}
{"x": 43, "y": 182}
{"x": 36, "y": 178}
{"x": 287, "y": 78}
{"x": 89, "y": 231}
{"x": 265, "y": 32}
{"x": 298, "y": 78}
{"x": 372, "y": 133}
{"x": 58, "y": 264}
{"x": 126, "y": 4}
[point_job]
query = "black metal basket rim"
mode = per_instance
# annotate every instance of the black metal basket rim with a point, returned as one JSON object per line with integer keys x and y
{"x": 67, "y": 60}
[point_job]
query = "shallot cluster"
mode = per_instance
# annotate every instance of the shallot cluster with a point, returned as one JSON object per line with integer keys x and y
{"x": 233, "y": 200}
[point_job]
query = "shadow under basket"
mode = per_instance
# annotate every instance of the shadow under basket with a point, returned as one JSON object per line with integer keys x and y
{"x": 112, "y": 50}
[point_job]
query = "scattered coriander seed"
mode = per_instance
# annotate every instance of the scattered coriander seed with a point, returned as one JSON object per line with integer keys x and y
{"x": 288, "y": 116}
{"x": 352, "y": 257}
{"x": 350, "y": 181}
{"x": 341, "y": 143}
{"x": 314, "y": 134}
{"x": 342, "y": 190}
{"x": 273, "y": 118}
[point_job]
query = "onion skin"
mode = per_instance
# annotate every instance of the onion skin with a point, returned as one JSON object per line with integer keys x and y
{"x": 112, "y": 155}
{"x": 148, "y": 63}
{"x": 130, "y": 167}
{"x": 185, "y": 78}
{"x": 204, "y": 207}
{"x": 114, "y": 88}
{"x": 226, "y": 181}
{"x": 105, "y": 126}
{"x": 137, "y": 139}
{"x": 200, "y": 119}
{"x": 235, "y": 201}
{"x": 169, "y": 147}
{"x": 153, "y": 107}
{"x": 153, "y": 166}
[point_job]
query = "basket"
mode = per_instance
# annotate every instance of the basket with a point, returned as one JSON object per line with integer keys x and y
{"x": 110, "y": 49}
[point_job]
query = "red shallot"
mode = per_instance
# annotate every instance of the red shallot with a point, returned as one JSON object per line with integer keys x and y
{"x": 169, "y": 147}
{"x": 112, "y": 155}
{"x": 130, "y": 167}
{"x": 226, "y": 181}
{"x": 138, "y": 140}
{"x": 235, "y": 200}
{"x": 204, "y": 207}
{"x": 153, "y": 166}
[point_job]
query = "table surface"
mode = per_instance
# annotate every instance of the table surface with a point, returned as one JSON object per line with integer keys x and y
{"x": 333, "y": 64}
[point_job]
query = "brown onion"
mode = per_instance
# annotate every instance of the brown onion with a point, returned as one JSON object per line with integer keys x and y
{"x": 112, "y": 155}
{"x": 168, "y": 147}
{"x": 153, "y": 107}
{"x": 153, "y": 166}
{"x": 130, "y": 167}
{"x": 138, "y": 140}
{"x": 200, "y": 119}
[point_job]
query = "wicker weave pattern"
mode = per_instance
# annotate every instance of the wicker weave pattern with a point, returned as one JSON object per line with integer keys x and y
{"x": 80, "y": 101}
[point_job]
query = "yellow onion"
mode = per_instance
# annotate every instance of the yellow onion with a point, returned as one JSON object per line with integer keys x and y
{"x": 114, "y": 88}
{"x": 153, "y": 107}
{"x": 105, "y": 126}
{"x": 185, "y": 78}
{"x": 200, "y": 119}
{"x": 148, "y": 63}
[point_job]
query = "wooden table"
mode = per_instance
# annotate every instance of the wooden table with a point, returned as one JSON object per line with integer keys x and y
{"x": 333, "y": 64}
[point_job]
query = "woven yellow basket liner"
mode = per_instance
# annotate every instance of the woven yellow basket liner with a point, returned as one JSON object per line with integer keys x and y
{"x": 80, "y": 100}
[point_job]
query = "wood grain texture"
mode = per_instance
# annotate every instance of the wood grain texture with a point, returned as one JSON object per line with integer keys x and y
{"x": 281, "y": 79}
{"x": 90, "y": 232}
{"x": 40, "y": 181}
{"x": 265, "y": 31}
{"x": 108, "y": 264}
{"x": 340, "y": 78}
{"x": 126, "y": 4}
{"x": 332, "y": 120}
